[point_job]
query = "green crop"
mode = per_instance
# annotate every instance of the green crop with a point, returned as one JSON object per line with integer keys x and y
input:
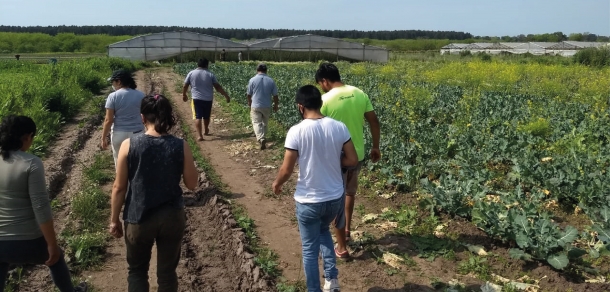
{"x": 52, "y": 94}
{"x": 493, "y": 142}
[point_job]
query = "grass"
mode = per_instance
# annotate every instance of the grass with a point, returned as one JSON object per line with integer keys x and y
{"x": 13, "y": 280}
{"x": 102, "y": 170}
{"x": 85, "y": 237}
{"x": 298, "y": 286}
{"x": 477, "y": 266}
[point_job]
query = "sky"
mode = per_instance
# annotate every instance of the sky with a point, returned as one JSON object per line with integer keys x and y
{"x": 479, "y": 17}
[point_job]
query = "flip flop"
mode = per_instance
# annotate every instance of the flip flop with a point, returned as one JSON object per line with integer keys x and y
{"x": 200, "y": 139}
{"x": 342, "y": 255}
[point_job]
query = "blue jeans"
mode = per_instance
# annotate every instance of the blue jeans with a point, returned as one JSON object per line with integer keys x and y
{"x": 314, "y": 220}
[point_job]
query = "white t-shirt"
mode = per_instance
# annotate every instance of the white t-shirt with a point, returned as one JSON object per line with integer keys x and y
{"x": 319, "y": 143}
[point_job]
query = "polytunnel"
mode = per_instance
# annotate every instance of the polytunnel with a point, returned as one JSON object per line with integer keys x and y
{"x": 163, "y": 45}
{"x": 314, "y": 43}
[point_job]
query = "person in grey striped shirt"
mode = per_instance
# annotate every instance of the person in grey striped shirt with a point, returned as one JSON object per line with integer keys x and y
{"x": 27, "y": 234}
{"x": 260, "y": 90}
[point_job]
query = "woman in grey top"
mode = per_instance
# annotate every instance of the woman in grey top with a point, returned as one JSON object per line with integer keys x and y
{"x": 27, "y": 235}
{"x": 122, "y": 111}
{"x": 149, "y": 170}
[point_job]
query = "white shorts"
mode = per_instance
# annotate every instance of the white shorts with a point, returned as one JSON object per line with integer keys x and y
{"x": 116, "y": 139}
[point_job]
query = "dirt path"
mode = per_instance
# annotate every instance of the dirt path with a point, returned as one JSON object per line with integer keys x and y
{"x": 213, "y": 256}
{"x": 271, "y": 218}
{"x": 274, "y": 219}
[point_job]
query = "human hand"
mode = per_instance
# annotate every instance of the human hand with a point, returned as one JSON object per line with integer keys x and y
{"x": 276, "y": 107}
{"x": 116, "y": 229}
{"x": 375, "y": 155}
{"x": 185, "y": 97}
{"x": 104, "y": 143}
{"x": 277, "y": 188}
{"x": 228, "y": 99}
{"x": 54, "y": 254}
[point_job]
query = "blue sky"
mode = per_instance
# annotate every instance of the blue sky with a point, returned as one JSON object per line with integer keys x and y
{"x": 479, "y": 17}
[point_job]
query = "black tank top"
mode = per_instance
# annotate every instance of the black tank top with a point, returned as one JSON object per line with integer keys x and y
{"x": 155, "y": 166}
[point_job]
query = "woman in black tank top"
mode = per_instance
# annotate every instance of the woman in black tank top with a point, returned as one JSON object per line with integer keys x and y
{"x": 150, "y": 167}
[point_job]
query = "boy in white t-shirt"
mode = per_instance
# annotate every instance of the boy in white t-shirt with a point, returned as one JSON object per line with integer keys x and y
{"x": 321, "y": 146}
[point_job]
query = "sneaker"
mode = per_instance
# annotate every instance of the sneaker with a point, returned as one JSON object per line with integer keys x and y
{"x": 332, "y": 285}
{"x": 82, "y": 287}
{"x": 263, "y": 144}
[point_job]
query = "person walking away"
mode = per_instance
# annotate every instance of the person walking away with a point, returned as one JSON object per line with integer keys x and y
{"x": 351, "y": 106}
{"x": 202, "y": 83}
{"x": 223, "y": 55}
{"x": 27, "y": 234}
{"x": 239, "y": 56}
{"x": 150, "y": 167}
{"x": 122, "y": 111}
{"x": 317, "y": 144}
{"x": 260, "y": 90}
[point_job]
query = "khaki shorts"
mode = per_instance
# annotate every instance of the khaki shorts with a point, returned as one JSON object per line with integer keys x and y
{"x": 350, "y": 178}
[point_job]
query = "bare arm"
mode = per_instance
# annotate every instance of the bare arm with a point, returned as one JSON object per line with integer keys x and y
{"x": 185, "y": 89}
{"x": 276, "y": 102}
{"x": 249, "y": 99}
{"x": 221, "y": 90}
{"x": 350, "y": 157}
{"x": 119, "y": 189}
{"x": 108, "y": 120}
{"x": 189, "y": 173}
{"x": 290, "y": 160}
{"x": 373, "y": 121}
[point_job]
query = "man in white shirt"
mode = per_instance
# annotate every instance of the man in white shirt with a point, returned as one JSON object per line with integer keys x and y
{"x": 321, "y": 146}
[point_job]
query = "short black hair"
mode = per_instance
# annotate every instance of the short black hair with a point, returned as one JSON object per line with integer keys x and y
{"x": 310, "y": 97}
{"x": 203, "y": 63}
{"x": 329, "y": 72}
{"x": 262, "y": 67}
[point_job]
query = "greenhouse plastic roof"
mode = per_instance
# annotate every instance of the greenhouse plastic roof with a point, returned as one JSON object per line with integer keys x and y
{"x": 167, "y": 44}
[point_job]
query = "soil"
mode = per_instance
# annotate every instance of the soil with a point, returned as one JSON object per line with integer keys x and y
{"x": 249, "y": 172}
{"x": 213, "y": 253}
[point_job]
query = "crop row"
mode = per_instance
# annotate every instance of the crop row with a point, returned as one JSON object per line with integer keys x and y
{"x": 505, "y": 145}
{"x": 52, "y": 94}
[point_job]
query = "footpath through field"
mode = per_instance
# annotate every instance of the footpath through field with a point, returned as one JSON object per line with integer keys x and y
{"x": 274, "y": 219}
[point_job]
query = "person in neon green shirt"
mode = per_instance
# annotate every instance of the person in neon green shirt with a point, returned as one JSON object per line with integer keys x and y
{"x": 351, "y": 106}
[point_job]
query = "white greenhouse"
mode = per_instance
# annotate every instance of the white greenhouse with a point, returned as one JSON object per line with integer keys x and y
{"x": 159, "y": 46}
{"x": 566, "y": 48}
{"x": 164, "y": 45}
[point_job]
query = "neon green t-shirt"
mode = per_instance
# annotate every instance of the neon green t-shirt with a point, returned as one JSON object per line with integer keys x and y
{"x": 348, "y": 104}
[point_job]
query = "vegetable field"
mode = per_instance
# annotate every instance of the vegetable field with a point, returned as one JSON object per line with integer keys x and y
{"x": 519, "y": 149}
{"x": 51, "y": 94}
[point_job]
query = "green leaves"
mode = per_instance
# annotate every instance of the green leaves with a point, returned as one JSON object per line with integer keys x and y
{"x": 516, "y": 253}
{"x": 558, "y": 261}
{"x": 568, "y": 237}
{"x": 503, "y": 155}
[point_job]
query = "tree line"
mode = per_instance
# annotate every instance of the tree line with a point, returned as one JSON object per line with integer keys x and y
{"x": 238, "y": 33}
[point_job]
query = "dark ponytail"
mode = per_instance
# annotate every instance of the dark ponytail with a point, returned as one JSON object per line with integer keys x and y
{"x": 158, "y": 110}
{"x": 127, "y": 80}
{"x": 12, "y": 130}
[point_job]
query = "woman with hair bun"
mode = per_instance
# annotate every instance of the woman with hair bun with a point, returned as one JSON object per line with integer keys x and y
{"x": 27, "y": 234}
{"x": 122, "y": 111}
{"x": 150, "y": 167}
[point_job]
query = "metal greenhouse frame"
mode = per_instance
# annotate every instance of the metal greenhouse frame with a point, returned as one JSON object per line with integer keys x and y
{"x": 164, "y": 45}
